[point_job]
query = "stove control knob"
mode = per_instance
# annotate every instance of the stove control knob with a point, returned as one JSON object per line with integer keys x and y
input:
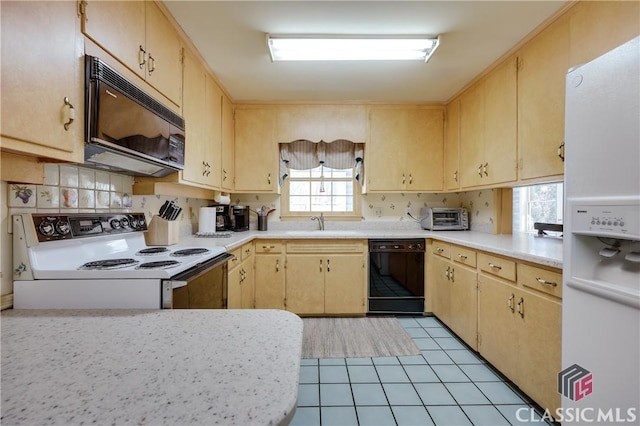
{"x": 135, "y": 224}
{"x": 46, "y": 228}
{"x": 62, "y": 227}
{"x": 125, "y": 222}
{"x": 115, "y": 224}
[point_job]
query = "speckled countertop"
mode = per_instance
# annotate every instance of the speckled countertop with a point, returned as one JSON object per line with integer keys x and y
{"x": 165, "y": 367}
{"x": 541, "y": 250}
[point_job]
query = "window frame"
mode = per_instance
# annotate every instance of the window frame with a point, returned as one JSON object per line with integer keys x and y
{"x": 356, "y": 214}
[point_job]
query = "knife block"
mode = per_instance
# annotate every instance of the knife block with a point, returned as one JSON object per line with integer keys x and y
{"x": 162, "y": 232}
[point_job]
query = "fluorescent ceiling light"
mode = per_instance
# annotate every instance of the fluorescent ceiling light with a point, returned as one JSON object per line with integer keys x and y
{"x": 350, "y": 48}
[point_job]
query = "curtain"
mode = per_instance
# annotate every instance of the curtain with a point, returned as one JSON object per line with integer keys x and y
{"x": 305, "y": 155}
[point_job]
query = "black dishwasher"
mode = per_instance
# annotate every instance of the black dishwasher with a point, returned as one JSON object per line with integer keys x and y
{"x": 396, "y": 276}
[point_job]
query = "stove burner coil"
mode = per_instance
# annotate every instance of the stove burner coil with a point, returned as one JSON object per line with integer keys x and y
{"x": 189, "y": 252}
{"x": 100, "y": 265}
{"x": 151, "y": 251}
{"x": 160, "y": 264}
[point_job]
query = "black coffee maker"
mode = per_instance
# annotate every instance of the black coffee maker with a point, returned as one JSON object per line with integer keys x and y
{"x": 223, "y": 218}
{"x": 240, "y": 218}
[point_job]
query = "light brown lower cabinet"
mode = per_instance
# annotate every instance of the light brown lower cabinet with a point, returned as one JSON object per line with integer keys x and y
{"x": 240, "y": 284}
{"x": 519, "y": 332}
{"x": 269, "y": 275}
{"x": 326, "y": 277}
{"x": 512, "y": 316}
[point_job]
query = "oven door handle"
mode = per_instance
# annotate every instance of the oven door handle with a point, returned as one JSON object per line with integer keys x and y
{"x": 202, "y": 268}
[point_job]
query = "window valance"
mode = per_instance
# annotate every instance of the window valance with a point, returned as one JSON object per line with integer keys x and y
{"x": 305, "y": 155}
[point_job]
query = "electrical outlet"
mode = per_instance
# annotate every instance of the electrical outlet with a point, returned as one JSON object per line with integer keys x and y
{"x": 407, "y": 210}
{"x": 378, "y": 211}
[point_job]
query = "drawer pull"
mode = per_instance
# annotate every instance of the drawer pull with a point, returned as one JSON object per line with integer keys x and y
{"x": 328, "y": 265}
{"x": 462, "y": 257}
{"x": 439, "y": 249}
{"x": 492, "y": 266}
{"x": 510, "y": 302}
{"x": 547, "y": 283}
{"x": 277, "y": 265}
{"x": 268, "y": 247}
{"x": 447, "y": 273}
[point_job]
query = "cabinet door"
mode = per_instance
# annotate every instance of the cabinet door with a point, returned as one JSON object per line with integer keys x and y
{"x": 213, "y": 141}
{"x": 541, "y": 86}
{"x": 539, "y": 358}
{"x": 452, "y": 146}
{"x": 226, "y": 179}
{"x": 464, "y": 304}
{"x": 305, "y": 283}
{"x": 164, "y": 54}
{"x": 247, "y": 298}
{"x": 386, "y": 149}
{"x": 270, "y": 286}
{"x": 234, "y": 288}
{"x": 425, "y": 149}
{"x": 256, "y": 153}
{"x": 440, "y": 288}
{"x": 344, "y": 286}
{"x": 497, "y": 326}
{"x": 119, "y": 28}
{"x": 500, "y": 124}
{"x": 195, "y": 115}
{"x": 37, "y": 35}
{"x": 471, "y": 137}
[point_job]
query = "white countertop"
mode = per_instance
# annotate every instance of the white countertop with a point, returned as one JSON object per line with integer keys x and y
{"x": 541, "y": 250}
{"x": 173, "y": 367}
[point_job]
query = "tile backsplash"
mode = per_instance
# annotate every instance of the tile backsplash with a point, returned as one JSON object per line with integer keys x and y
{"x": 77, "y": 189}
{"x": 73, "y": 189}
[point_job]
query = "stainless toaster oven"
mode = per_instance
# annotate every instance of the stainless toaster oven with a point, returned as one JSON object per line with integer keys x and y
{"x": 445, "y": 219}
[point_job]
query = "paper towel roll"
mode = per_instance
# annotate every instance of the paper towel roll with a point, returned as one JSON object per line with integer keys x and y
{"x": 222, "y": 198}
{"x": 207, "y": 220}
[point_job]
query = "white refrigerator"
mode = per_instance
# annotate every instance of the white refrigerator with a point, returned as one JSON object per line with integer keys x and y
{"x": 600, "y": 377}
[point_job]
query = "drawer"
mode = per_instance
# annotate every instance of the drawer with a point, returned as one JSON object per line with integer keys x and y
{"x": 549, "y": 282}
{"x": 498, "y": 266}
{"x": 269, "y": 246}
{"x": 463, "y": 255}
{"x": 442, "y": 249}
{"x": 247, "y": 251}
{"x": 236, "y": 259}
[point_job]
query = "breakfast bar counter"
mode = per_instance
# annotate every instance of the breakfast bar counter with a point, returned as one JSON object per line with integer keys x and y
{"x": 231, "y": 367}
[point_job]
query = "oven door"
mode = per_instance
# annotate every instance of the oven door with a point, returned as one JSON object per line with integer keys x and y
{"x": 201, "y": 287}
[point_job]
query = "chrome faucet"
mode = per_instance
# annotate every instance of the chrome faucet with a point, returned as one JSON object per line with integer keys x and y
{"x": 320, "y": 220}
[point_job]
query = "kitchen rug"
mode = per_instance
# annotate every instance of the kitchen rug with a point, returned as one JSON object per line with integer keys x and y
{"x": 355, "y": 338}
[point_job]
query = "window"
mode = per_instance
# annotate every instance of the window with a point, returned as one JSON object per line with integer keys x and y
{"x": 322, "y": 189}
{"x": 537, "y": 203}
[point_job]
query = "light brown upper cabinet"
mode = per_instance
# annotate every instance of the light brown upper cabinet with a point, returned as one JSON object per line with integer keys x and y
{"x": 139, "y": 35}
{"x": 42, "y": 111}
{"x": 452, "y": 146}
{"x": 405, "y": 149}
{"x": 228, "y": 138}
{"x": 321, "y": 122}
{"x": 488, "y": 126}
{"x": 599, "y": 26}
{"x": 256, "y": 152}
{"x": 543, "y": 65}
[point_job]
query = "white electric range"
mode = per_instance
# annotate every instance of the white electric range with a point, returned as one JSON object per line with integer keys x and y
{"x": 99, "y": 261}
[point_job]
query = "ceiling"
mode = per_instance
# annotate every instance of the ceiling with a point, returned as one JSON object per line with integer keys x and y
{"x": 231, "y": 36}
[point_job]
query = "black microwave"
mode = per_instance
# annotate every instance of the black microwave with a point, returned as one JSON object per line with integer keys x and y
{"x": 126, "y": 129}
